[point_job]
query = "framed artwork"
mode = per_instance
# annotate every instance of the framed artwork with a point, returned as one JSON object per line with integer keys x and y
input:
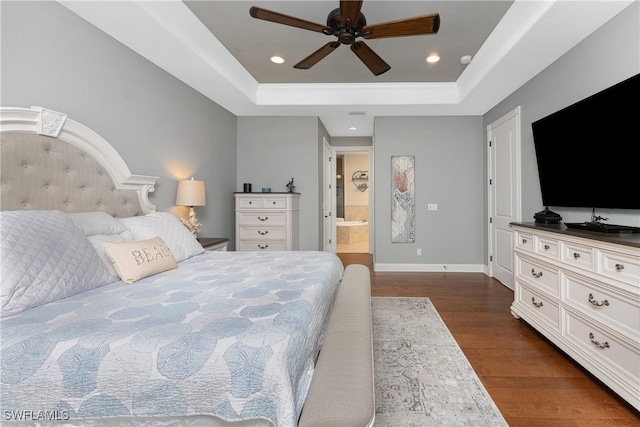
{"x": 403, "y": 204}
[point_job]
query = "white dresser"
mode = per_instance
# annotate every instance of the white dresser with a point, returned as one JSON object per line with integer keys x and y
{"x": 582, "y": 291}
{"x": 267, "y": 221}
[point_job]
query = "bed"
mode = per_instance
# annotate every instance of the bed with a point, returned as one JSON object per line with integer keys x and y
{"x": 113, "y": 314}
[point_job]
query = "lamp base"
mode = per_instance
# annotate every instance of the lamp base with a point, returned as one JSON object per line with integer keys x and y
{"x": 192, "y": 223}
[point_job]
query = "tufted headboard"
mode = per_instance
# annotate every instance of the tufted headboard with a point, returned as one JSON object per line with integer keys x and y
{"x": 48, "y": 161}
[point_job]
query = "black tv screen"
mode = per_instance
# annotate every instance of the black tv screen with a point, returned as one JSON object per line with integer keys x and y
{"x": 587, "y": 152}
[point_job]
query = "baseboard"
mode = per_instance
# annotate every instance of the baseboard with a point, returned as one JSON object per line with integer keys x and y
{"x": 451, "y": 268}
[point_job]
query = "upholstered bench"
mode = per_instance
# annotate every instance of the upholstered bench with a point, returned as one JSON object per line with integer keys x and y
{"x": 342, "y": 389}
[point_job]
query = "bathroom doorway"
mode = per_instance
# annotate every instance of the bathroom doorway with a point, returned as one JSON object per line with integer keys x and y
{"x": 353, "y": 188}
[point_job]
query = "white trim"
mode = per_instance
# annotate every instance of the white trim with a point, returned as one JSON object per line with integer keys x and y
{"x": 429, "y": 268}
{"x": 32, "y": 120}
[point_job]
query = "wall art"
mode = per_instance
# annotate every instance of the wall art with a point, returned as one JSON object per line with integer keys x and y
{"x": 403, "y": 204}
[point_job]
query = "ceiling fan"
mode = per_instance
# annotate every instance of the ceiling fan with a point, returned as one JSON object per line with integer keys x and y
{"x": 347, "y": 23}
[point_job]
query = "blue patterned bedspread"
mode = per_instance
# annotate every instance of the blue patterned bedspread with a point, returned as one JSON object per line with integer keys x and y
{"x": 229, "y": 334}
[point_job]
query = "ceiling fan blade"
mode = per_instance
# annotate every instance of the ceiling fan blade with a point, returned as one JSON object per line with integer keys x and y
{"x": 316, "y": 56}
{"x": 279, "y": 18}
{"x": 370, "y": 58}
{"x": 349, "y": 10}
{"x": 427, "y": 24}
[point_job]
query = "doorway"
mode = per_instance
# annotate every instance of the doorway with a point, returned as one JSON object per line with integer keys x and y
{"x": 352, "y": 200}
{"x": 504, "y": 193}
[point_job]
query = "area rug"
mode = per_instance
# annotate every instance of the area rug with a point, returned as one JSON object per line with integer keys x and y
{"x": 422, "y": 378}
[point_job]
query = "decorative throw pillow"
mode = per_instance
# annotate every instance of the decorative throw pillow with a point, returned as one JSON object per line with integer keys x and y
{"x": 133, "y": 261}
{"x": 166, "y": 225}
{"x": 44, "y": 258}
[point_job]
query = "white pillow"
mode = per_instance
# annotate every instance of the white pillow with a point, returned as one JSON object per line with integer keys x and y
{"x": 136, "y": 260}
{"x": 166, "y": 225}
{"x": 44, "y": 258}
{"x": 101, "y": 228}
{"x": 92, "y": 223}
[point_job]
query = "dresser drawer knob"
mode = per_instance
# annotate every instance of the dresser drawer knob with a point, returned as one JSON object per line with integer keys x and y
{"x": 598, "y": 343}
{"x": 263, "y": 219}
{"x": 596, "y": 303}
{"x": 619, "y": 267}
{"x": 263, "y": 246}
{"x": 536, "y": 275}
{"x": 547, "y": 247}
{"x": 576, "y": 255}
{"x": 536, "y": 304}
{"x": 262, "y": 233}
{"x": 524, "y": 241}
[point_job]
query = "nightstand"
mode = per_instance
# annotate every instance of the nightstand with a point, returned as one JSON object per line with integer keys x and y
{"x": 214, "y": 243}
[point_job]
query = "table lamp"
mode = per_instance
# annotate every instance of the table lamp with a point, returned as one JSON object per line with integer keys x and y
{"x": 191, "y": 193}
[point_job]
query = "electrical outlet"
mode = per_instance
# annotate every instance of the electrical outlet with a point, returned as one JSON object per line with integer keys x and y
{"x": 419, "y": 251}
{"x": 432, "y": 206}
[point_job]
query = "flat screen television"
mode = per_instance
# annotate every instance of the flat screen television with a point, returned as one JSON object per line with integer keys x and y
{"x": 587, "y": 152}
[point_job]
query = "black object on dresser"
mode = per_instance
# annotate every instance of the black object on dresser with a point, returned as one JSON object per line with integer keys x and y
{"x": 547, "y": 217}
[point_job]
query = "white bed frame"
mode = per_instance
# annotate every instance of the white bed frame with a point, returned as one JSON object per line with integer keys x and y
{"x": 41, "y": 151}
{"x": 37, "y": 123}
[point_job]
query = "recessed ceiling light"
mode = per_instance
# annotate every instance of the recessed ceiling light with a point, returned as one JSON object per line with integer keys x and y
{"x": 434, "y": 57}
{"x": 277, "y": 59}
{"x": 353, "y": 128}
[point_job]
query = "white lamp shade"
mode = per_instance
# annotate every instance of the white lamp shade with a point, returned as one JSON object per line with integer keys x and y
{"x": 190, "y": 193}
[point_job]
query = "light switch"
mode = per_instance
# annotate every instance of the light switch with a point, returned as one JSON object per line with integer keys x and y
{"x": 432, "y": 206}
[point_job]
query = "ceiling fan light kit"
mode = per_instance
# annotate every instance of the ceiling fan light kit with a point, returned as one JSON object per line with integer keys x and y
{"x": 348, "y": 24}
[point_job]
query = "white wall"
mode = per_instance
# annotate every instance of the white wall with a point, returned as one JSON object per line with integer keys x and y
{"x": 160, "y": 126}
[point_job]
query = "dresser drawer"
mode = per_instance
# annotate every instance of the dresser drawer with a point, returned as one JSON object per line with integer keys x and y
{"x": 258, "y": 202}
{"x": 263, "y": 218}
{"x": 608, "y": 307}
{"x": 249, "y": 202}
{"x": 524, "y": 241}
{"x": 538, "y": 274}
{"x": 262, "y": 233}
{"x": 274, "y": 203}
{"x": 548, "y": 248}
{"x": 619, "y": 266}
{"x": 543, "y": 307}
{"x": 577, "y": 255}
{"x": 610, "y": 352}
{"x": 262, "y": 246}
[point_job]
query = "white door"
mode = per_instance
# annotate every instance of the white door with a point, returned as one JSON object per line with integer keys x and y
{"x": 327, "y": 197}
{"x": 504, "y": 193}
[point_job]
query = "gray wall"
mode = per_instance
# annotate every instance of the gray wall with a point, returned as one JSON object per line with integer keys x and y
{"x": 271, "y": 151}
{"x": 448, "y": 172}
{"x": 608, "y": 56}
{"x": 351, "y": 141}
{"x": 54, "y": 59}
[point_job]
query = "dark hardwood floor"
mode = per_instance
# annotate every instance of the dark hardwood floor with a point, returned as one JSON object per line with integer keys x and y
{"x": 531, "y": 381}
